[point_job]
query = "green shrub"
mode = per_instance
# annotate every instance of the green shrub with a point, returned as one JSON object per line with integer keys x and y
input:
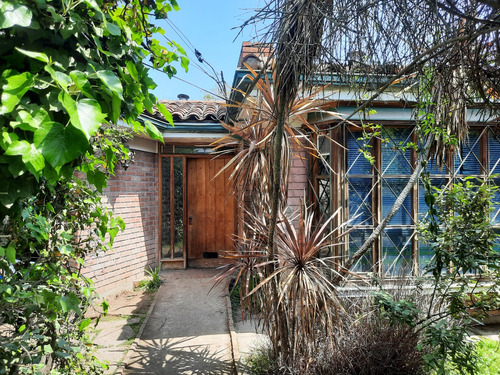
{"x": 152, "y": 284}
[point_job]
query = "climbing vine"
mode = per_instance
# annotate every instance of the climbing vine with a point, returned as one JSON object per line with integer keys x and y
{"x": 73, "y": 75}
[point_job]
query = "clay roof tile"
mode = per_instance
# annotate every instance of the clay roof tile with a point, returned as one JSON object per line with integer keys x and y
{"x": 194, "y": 110}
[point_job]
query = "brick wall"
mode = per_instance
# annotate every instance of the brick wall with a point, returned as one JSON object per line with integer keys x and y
{"x": 133, "y": 195}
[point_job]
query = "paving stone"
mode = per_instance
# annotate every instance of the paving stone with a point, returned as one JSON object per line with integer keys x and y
{"x": 113, "y": 333}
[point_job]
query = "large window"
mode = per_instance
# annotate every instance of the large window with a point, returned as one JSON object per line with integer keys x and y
{"x": 367, "y": 173}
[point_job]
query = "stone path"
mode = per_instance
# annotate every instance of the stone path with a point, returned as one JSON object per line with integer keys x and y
{"x": 188, "y": 330}
{"x": 116, "y": 332}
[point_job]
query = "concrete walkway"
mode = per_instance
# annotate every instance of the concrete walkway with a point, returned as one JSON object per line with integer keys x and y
{"x": 188, "y": 330}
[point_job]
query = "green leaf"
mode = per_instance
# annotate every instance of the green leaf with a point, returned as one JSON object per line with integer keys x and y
{"x": 14, "y": 14}
{"x": 35, "y": 55}
{"x": 10, "y": 254}
{"x": 174, "y": 4}
{"x": 116, "y": 106}
{"x": 14, "y": 89}
{"x": 62, "y": 354}
{"x": 166, "y": 114}
{"x": 84, "y": 324}
{"x": 34, "y": 160}
{"x": 185, "y": 63}
{"x": 153, "y": 131}
{"x": 31, "y": 121}
{"x": 98, "y": 179}
{"x": 71, "y": 303}
{"x": 15, "y": 188}
{"x": 84, "y": 114}
{"x": 111, "y": 81}
{"x": 59, "y": 144}
{"x": 132, "y": 70}
{"x": 61, "y": 78}
{"x": 81, "y": 82}
{"x": 113, "y": 29}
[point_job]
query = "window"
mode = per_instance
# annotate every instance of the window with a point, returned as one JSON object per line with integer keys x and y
{"x": 374, "y": 170}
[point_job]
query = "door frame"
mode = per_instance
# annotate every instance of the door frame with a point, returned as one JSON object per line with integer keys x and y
{"x": 175, "y": 262}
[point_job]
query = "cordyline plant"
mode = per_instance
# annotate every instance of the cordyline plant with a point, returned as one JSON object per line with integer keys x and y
{"x": 304, "y": 290}
{"x": 294, "y": 295}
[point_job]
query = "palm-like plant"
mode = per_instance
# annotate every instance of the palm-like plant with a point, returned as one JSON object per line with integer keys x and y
{"x": 253, "y": 136}
{"x": 294, "y": 293}
{"x": 304, "y": 291}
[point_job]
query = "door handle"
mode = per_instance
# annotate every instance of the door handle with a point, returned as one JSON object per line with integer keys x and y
{"x": 190, "y": 221}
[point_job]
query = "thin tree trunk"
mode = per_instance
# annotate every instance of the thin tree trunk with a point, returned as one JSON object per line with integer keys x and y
{"x": 395, "y": 207}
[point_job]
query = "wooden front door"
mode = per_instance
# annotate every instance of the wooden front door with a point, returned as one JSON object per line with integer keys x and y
{"x": 210, "y": 212}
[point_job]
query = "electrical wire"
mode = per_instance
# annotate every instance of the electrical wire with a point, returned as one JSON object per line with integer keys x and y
{"x": 183, "y": 80}
{"x": 219, "y": 80}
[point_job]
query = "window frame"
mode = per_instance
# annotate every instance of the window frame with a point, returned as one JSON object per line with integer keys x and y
{"x": 339, "y": 187}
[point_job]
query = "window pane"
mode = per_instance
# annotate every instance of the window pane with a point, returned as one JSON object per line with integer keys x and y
{"x": 324, "y": 197}
{"x": 422, "y": 206}
{"x": 360, "y": 202}
{"x": 396, "y": 251}
{"x": 394, "y": 159}
{"x": 494, "y": 152}
{"x": 165, "y": 208}
{"x": 356, "y": 161}
{"x": 356, "y": 239}
{"x": 495, "y": 204}
{"x": 391, "y": 188}
{"x": 467, "y": 160}
{"x": 178, "y": 208}
{"x": 324, "y": 145}
{"x": 425, "y": 254}
{"x": 496, "y": 245}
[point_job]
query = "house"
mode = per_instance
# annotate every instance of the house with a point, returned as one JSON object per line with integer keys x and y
{"x": 180, "y": 212}
{"x": 344, "y": 177}
{"x": 177, "y": 211}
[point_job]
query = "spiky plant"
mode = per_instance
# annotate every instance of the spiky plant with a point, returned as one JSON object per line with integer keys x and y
{"x": 254, "y": 137}
{"x": 304, "y": 293}
{"x": 247, "y": 262}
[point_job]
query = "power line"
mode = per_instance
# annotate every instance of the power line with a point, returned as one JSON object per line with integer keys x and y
{"x": 194, "y": 62}
{"x": 180, "y": 34}
{"x": 218, "y": 80}
{"x": 183, "y": 80}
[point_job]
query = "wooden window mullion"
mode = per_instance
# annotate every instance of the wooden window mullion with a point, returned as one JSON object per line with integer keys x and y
{"x": 377, "y": 204}
{"x": 172, "y": 208}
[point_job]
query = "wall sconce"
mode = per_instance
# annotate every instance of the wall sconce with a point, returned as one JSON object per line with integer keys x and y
{"x": 131, "y": 157}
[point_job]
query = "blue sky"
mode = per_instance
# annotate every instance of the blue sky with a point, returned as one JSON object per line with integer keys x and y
{"x": 207, "y": 25}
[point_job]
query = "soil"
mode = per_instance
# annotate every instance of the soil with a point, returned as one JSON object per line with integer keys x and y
{"x": 125, "y": 303}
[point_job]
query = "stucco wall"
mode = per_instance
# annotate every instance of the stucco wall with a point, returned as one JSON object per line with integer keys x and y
{"x": 297, "y": 188}
{"x": 133, "y": 195}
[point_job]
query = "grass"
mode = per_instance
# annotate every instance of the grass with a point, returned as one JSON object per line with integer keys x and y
{"x": 489, "y": 356}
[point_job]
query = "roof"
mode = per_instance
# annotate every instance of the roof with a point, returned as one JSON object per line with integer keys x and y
{"x": 193, "y": 111}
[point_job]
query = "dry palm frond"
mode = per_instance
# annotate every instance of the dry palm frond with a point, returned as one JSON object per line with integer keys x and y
{"x": 253, "y": 135}
{"x": 248, "y": 261}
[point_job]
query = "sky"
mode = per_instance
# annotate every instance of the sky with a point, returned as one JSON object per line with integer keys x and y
{"x": 206, "y": 26}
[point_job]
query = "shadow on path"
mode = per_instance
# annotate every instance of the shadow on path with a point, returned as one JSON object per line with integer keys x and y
{"x": 178, "y": 356}
{"x": 187, "y": 332}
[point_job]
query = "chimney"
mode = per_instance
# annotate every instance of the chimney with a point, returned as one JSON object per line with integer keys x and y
{"x": 183, "y": 97}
